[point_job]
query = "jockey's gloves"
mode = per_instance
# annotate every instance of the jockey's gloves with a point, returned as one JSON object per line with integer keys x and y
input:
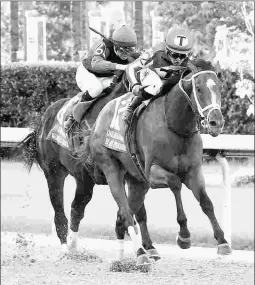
{"x": 121, "y": 67}
{"x": 136, "y": 89}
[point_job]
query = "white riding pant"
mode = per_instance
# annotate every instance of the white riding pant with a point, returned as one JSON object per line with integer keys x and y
{"x": 151, "y": 79}
{"x": 87, "y": 81}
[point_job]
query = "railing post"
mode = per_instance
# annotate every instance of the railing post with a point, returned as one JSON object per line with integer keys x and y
{"x": 226, "y": 209}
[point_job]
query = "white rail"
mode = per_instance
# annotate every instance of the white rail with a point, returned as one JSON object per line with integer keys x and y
{"x": 219, "y": 147}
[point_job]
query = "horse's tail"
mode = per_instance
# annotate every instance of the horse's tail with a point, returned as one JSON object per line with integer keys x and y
{"x": 28, "y": 149}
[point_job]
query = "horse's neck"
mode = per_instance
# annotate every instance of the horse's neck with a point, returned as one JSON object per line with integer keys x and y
{"x": 179, "y": 114}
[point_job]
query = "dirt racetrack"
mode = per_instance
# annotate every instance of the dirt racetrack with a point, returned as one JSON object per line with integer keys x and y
{"x": 28, "y": 260}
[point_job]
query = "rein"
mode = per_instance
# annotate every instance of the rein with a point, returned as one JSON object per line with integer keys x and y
{"x": 199, "y": 112}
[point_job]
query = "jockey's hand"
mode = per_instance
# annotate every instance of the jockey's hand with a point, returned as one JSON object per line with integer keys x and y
{"x": 121, "y": 67}
{"x": 136, "y": 90}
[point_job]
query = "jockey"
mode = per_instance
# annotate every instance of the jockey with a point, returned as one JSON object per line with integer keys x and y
{"x": 152, "y": 68}
{"x": 96, "y": 72}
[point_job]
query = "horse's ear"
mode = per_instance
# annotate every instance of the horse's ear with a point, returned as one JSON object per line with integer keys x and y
{"x": 217, "y": 69}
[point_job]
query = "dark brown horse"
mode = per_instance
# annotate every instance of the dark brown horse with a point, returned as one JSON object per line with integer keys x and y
{"x": 170, "y": 149}
{"x": 58, "y": 162}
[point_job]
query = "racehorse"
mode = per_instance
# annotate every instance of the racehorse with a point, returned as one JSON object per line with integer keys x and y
{"x": 170, "y": 148}
{"x": 58, "y": 162}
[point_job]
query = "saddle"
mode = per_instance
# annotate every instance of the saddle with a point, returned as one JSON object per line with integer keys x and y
{"x": 130, "y": 139}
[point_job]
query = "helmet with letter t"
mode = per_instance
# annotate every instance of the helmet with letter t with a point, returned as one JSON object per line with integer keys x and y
{"x": 178, "y": 44}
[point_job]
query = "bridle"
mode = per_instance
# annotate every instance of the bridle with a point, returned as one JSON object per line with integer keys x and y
{"x": 199, "y": 110}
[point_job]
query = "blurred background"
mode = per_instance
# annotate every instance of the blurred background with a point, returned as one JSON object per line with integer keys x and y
{"x": 58, "y": 31}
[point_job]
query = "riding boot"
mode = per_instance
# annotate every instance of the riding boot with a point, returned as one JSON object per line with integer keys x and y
{"x": 68, "y": 123}
{"x": 110, "y": 88}
{"x": 137, "y": 101}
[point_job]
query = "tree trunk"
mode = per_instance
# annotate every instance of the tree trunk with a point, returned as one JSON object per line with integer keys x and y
{"x": 14, "y": 10}
{"x": 139, "y": 22}
{"x": 128, "y": 10}
{"x": 84, "y": 26}
{"x": 76, "y": 29}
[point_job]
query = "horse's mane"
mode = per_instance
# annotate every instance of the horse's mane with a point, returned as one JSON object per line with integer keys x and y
{"x": 202, "y": 64}
{"x": 194, "y": 66}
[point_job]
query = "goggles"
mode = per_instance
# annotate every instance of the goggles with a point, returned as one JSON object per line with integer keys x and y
{"x": 176, "y": 55}
{"x": 126, "y": 50}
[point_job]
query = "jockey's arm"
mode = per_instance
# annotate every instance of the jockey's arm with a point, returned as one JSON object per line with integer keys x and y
{"x": 100, "y": 65}
{"x": 134, "y": 67}
{"x": 99, "y": 62}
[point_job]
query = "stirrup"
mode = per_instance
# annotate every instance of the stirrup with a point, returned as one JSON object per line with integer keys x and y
{"x": 127, "y": 117}
{"x": 69, "y": 123}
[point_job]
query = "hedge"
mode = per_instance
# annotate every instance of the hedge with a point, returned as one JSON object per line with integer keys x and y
{"x": 28, "y": 89}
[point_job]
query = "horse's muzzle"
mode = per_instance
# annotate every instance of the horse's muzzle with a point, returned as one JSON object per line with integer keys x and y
{"x": 215, "y": 127}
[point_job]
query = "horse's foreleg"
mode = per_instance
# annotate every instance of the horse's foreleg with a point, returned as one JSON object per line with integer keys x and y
{"x": 195, "y": 182}
{"x": 55, "y": 182}
{"x": 83, "y": 195}
{"x": 141, "y": 218}
{"x": 136, "y": 196}
{"x": 159, "y": 177}
{"x": 115, "y": 179}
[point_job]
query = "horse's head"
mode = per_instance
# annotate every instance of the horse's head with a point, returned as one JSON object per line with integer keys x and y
{"x": 205, "y": 96}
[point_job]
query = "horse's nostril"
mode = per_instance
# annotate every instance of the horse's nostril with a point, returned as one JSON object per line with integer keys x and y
{"x": 213, "y": 123}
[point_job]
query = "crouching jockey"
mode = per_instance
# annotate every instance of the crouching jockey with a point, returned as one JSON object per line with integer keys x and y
{"x": 96, "y": 72}
{"x": 151, "y": 69}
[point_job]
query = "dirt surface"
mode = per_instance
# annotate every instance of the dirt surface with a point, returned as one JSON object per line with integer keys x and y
{"x": 23, "y": 261}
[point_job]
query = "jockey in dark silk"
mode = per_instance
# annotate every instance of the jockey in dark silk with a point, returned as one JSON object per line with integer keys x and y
{"x": 153, "y": 69}
{"x": 96, "y": 73}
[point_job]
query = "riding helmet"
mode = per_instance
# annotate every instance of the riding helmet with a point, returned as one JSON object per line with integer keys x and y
{"x": 179, "y": 40}
{"x": 124, "y": 36}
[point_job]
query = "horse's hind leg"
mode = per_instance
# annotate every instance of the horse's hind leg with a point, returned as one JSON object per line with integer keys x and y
{"x": 55, "y": 179}
{"x": 195, "y": 182}
{"x": 141, "y": 218}
{"x": 83, "y": 194}
{"x": 120, "y": 231}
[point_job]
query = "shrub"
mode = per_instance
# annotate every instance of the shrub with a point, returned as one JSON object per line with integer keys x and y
{"x": 28, "y": 89}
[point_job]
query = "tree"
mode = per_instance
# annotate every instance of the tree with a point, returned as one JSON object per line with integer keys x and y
{"x": 58, "y": 37}
{"x": 14, "y": 10}
{"x": 128, "y": 10}
{"x": 85, "y": 40}
{"x": 139, "y": 22}
{"x": 76, "y": 29}
{"x": 203, "y": 18}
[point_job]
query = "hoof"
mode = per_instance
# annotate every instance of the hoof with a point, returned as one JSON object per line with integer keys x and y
{"x": 183, "y": 243}
{"x": 153, "y": 254}
{"x": 224, "y": 249}
{"x": 143, "y": 260}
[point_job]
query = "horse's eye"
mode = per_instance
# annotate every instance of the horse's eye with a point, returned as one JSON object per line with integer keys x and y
{"x": 198, "y": 89}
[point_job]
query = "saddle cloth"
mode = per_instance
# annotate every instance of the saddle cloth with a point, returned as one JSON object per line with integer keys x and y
{"x": 58, "y": 134}
{"x": 120, "y": 138}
